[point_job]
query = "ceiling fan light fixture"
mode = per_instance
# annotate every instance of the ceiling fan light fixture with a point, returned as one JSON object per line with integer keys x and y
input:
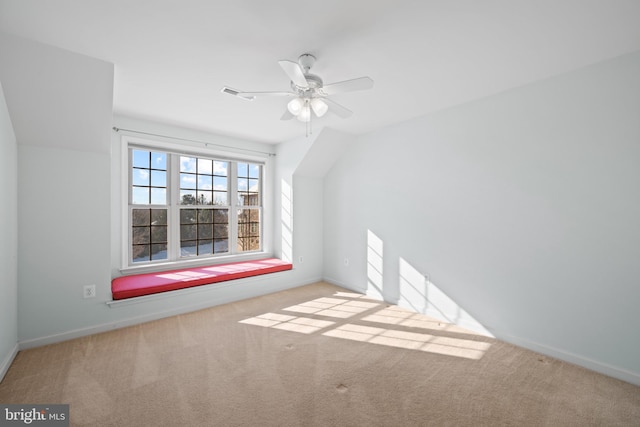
{"x": 305, "y": 114}
{"x": 319, "y": 107}
{"x": 295, "y": 106}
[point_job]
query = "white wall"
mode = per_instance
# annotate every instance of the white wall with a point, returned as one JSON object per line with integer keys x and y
{"x": 522, "y": 209}
{"x": 60, "y": 104}
{"x": 8, "y": 239}
{"x": 298, "y": 211}
{"x": 69, "y": 206}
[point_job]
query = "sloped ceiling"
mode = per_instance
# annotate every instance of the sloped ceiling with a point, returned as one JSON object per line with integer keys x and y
{"x": 172, "y": 58}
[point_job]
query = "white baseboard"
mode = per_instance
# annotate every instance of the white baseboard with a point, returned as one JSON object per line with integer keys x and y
{"x": 343, "y": 285}
{"x": 6, "y": 363}
{"x": 593, "y": 365}
{"x": 105, "y": 327}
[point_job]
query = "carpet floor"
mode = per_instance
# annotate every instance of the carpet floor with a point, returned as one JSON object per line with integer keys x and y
{"x": 317, "y": 355}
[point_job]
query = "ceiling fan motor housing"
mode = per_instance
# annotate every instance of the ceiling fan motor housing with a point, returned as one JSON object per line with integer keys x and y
{"x": 313, "y": 81}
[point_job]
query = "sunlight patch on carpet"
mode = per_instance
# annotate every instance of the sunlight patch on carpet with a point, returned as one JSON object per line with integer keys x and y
{"x": 302, "y": 325}
{"x": 332, "y": 307}
{"x": 411, "y": 340}
{"x": 394, "y": 326}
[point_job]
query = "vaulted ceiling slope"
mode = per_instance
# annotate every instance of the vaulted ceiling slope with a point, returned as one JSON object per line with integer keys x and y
{"x": 172, "y": 58}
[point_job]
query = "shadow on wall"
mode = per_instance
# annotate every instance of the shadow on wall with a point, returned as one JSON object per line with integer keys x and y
{"x": 416, "y": 291}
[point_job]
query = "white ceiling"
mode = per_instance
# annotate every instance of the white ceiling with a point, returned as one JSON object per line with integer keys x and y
{"x": 172, "y": 57}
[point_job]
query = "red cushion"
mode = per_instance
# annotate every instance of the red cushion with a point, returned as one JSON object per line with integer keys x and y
{"x": 153, "y": 283}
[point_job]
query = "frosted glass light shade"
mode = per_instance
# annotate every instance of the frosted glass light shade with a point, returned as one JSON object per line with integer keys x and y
{"x": 319, "y": 107}
{"x": 305, "y": 114}
{"x": 295, "y": 106}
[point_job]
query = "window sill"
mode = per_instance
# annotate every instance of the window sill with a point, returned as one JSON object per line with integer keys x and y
{"x": 196, "y": 262}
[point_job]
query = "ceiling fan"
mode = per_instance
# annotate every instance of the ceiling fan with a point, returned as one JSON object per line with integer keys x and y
{"x": 309, "y": 93}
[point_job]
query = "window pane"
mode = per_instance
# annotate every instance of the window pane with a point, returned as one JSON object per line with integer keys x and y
{"x": 141, "y": 216}
{"x": 188, "y": 232}
{"x": 221, "y": 231}
{"x": 140, "y": 195}
{"x": 140, "y": 253}
{"x": 220, "y": 183}
{"x": 243, "y": 184}
{"x": 158, "y": 196}
{"x": 141, "y": 235}
{"x": 187, "y": 197}
{"x": 204, "y": 166}
{"x": 159, "y": 161}
{"x": 248, "y": 230}
{"x": 148, "y": 234}
{"x": 205, "y": 216}
{"x": 158, "y": 233}
{"x": 221, "y": 216}
{"x": 205, "y": 182}
{"x": 205, "y": 231}
{"x": 158, "y": 178}
{"x": 140, "y": 159}
{"x": 188, "y": 248}
{"x": 188, "y": 181}
{"x": 187, "y": 164}
{"x": 248, "y": 244}
{"x": 140, "y": 176}
{"x": 204, "y": 198}
{"x": 243, "y": 169}
{"x": 254, "y": 171}
{"x": 205, "y": 247}
{"x": 248, "y": 199}
{"x": 221, "y": 246}
{"x": 158, "y": 216}
{"x": 220, "y": 198}
{"x": 159, "y": 251}
{"x": 220, "y": 168}
{"x": 187, "y": 216}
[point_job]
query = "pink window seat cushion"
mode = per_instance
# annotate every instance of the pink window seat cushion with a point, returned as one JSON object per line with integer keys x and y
{"x": 152, "y": 283}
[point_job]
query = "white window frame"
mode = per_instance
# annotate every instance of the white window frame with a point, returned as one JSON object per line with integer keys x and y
{"x": 174, "y": 260}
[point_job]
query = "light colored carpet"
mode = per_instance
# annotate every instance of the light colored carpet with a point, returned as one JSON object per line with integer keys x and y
{"x": 312, "y": 356}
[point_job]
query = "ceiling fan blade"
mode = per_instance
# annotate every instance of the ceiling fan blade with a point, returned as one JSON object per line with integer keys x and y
{"x": 287, "y": 115}
{"x": 255, "y": 94}
{"x": 250, "y": 96}
{"x": 235, "y": 92}
{"x": 361, "y": 83}
{"x": 338, "y": 109}
{"x": 294, "y": 72}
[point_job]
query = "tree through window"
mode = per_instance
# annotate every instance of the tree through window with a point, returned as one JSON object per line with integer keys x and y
{"x": 180, "y": 206}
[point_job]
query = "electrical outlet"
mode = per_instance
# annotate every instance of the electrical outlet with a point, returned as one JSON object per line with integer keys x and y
{"x": 300, "y": 259}
{"x": 89, "y": 291}
{"x": 346, "y": 262}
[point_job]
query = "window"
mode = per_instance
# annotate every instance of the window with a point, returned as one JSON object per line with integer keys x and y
{"x": 183, "y": 206}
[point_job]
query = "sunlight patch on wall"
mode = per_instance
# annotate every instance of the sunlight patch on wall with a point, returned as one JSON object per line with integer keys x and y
{"x": 375, "y": 259}
{"x": 287, "y": 221}
{"x": 420, "y": 294}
